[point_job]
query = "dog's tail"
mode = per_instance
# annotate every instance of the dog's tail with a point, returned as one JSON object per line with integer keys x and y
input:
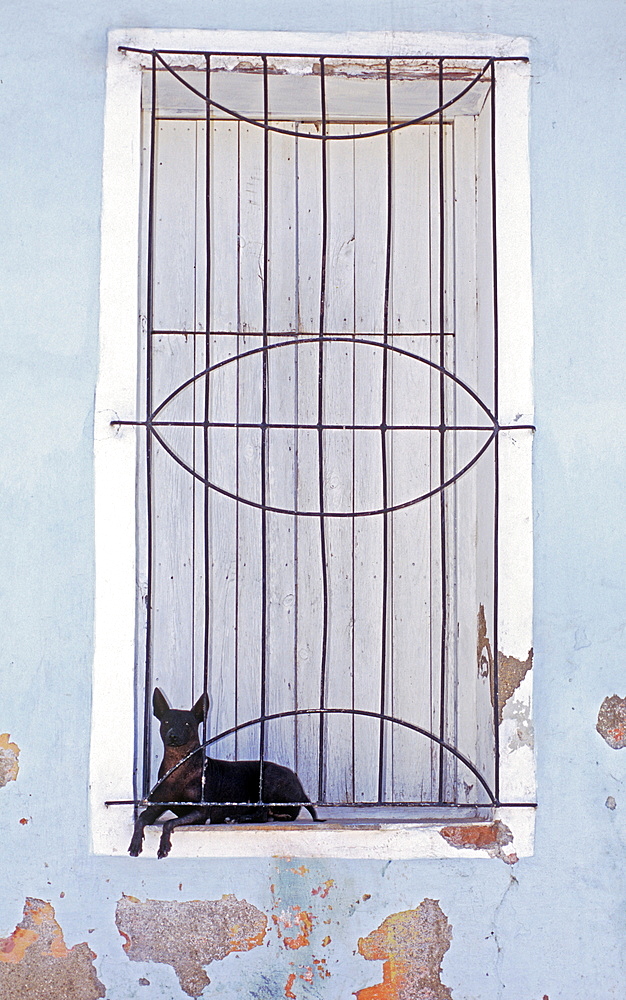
{"x": 313, "y": 811}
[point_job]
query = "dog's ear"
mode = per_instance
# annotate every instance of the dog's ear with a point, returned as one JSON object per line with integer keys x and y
{"x": 160, "y": 704}
{"x": 201, "y": 707}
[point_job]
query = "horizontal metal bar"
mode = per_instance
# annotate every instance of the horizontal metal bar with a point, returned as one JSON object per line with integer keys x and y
{"x": 335, "y": 805}
{"x": 324, "y": 427}
{"x": 296, "y": 333}
{"x": 266, "y": 425}
{"x": 313, "y": 55}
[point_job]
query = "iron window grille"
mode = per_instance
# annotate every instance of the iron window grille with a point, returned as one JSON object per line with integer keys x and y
{"x": 319, "y": 480}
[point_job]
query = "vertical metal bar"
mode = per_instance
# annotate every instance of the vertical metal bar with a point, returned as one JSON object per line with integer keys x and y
{"x": 320, "y": 433}
{"x": 353, "y": 472}
{"x": 207, "y": 407}
{"x": 296, "y": 439}
{"x": 264, "y": 442}
{"x": 383, "y": 447}
{"x": 238, "y": 442}
{"x": 147, "y": 713}
{"x": 496, "y": 443}
{"x": 442, "y": 430}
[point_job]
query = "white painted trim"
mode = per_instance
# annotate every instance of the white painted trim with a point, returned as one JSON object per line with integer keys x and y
{"x": 115, "y": 449}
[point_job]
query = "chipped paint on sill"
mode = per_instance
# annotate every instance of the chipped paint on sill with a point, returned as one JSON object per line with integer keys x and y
{"x": 490, "y": 837}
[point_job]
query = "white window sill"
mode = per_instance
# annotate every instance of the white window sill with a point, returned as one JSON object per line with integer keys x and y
{"x": 368, "y": 838}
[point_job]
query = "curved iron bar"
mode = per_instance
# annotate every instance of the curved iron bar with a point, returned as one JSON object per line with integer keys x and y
{"x": 326, "y": 513}
{"x": 329, "y": 340}
{"x": 316, "y": 513}
{"x": 336, "y": 711}
{"x": 314, "y": 135}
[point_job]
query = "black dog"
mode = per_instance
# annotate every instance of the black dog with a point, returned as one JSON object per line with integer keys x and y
{"x": 180, "y": 780}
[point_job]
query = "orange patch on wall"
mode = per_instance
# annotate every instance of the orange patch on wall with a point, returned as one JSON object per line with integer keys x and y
{"x": 240, "y": 941}
{"x": 411, "y": 945}
{"x": 13, "y": 948}
{"x": 490, "y": 837}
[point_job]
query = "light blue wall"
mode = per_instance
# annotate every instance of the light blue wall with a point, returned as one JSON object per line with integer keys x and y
{"x": 554, "y": 925}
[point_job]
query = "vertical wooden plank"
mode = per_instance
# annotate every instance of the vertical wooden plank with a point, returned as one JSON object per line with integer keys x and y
{"x": 452, "y": 398}
{"x": 222, "y": 406}
{"x": 281, "y": 446}
{"x": 250, "y": 385}
{"x": 338, "y": 461}
{"x": 175, "y": 225}
{"x": 472, "y": 651}
{"x": 309, "y": 590}
{"x": 412, "y": 383}
{"x": 367, "y": 532}
{"x": 484, "y": 555}
{"x": 172, "y": 364}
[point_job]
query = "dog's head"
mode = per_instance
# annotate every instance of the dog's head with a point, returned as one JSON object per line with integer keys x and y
{"x": 179, "y": 727}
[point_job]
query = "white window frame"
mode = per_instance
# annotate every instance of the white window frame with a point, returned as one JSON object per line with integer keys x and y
{"x": 113, "y": 739}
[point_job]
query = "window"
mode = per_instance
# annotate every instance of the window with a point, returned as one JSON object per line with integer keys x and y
{"x": 332, "y": 426}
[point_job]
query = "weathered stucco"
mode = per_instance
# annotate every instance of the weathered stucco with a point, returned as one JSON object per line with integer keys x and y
{"x": 411, "y": 946}
{"x": 511, "y": 671}
{"x": 611, "y": 722}
{"x": 188, "y": 935}
{"x": 36, "y": 964}
{"x": 9, "y": 765}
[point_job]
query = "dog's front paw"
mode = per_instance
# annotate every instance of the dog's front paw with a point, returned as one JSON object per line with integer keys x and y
{"x": 136, "y": 845}
{"x": 165, "y": 846}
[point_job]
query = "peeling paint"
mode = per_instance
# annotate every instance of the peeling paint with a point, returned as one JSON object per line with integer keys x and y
{"x": 320, "y": 966}
{"x": 323, "y": 890}
{"x": 9, "y": 766}
{"x": 490, "y": 837}
{"x": 523, "y": 734}
{"x": 484, "y": 655}
{"x": 296, "y": 918}
{"x": 611, "y": 722}
{"x": 511, "y": 673}
{"x": 188, "y": 935}
{"x": 307, "y": 975}
{"x": 411, "y": 945}
{"x": 610, "y": 803}
{"x": 36, "y": 963}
